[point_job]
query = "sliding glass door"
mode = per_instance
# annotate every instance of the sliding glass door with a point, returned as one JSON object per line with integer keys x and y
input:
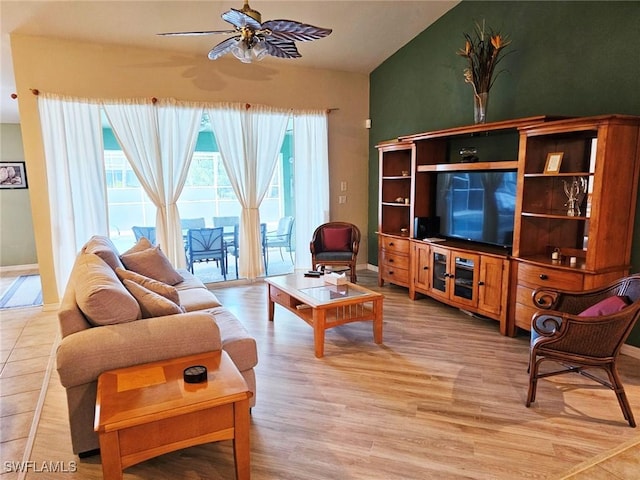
{"x": 207, "y": 195}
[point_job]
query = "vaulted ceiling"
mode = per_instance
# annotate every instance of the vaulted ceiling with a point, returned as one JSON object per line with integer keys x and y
{"x": 365, "y": 32}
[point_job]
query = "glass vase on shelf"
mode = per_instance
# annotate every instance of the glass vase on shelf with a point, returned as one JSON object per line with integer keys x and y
{"x": 480, "y": 107}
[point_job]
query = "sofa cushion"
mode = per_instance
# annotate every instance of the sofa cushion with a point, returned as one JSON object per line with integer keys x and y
{"x": 336, "y": 239}
{"x": 151, "y": 304}
{"x": 167, "y": 291}
{"x": 141, "y": 245}
{"x": 194, "y": 299}
{"x": 100, "y": 295}
{"x": 105, "y": 249}
{"x": 189, "y": 280}
{"x": 152, "y": 263}
{"x": 236, "y": 340}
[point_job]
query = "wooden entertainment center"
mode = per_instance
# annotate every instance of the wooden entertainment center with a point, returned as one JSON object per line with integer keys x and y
{"x": 577, "y": 184}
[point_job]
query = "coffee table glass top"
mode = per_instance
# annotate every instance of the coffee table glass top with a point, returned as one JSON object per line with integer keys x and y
{"x": 326, "y": 293}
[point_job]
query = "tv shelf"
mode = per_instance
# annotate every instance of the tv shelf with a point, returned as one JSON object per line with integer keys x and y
{"x": 493, "y": 281}
{"x": 468, "y": 167}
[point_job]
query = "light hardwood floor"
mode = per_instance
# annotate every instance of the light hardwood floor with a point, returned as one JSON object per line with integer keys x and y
{"x": 442, "y": 398}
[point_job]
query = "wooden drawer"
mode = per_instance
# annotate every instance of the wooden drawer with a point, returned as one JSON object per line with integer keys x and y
{"x": 399, "y": 276}
{"x": 524, "y": 314}
{"x": 393, "y": 260}
{"x": 279, "y": 297}
{"x": 534, "y": 276}
{"x": 396, "y": 245}
{"x": 523, "y": 295}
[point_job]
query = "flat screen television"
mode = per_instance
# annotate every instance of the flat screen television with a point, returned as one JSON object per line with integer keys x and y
{"x": 478, "y": 206}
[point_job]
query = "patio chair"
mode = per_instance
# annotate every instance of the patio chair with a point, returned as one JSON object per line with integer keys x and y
{"x": 187, "y": 223}
{"x": 227, "y": 223}
{"x": 335, "y": 244}
{"x": 234, "y": 248}
{"x": 584, "y": 330}
{"x": 204, "y": 245}
{"x": 148, "y": 232}
{"x": 282, "y": 237}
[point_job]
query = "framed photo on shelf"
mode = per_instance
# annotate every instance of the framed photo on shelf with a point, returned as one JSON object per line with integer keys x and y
{"x": 13, "y": 175}
{"x": 554, "y": 160}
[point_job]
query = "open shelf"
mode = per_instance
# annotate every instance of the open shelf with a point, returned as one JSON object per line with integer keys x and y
{"x": 558, "y": 217}
{"x": 466, "y": 167}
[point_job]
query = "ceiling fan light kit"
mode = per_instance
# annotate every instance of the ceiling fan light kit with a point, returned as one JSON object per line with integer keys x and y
{"x": 253, "y": 40}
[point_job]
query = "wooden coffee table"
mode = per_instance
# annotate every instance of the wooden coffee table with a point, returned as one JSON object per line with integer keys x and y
{"x": 325, "y": 306}
{"x": 148, "y": 410}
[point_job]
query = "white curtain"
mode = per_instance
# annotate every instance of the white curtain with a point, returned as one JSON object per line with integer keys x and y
{"x": 73, "y": 149}
{"x": 179, "y": 126}
{"x": 158, "y": 142}
{"x": 249, "y": 139}
{"x": 311, "y": 157}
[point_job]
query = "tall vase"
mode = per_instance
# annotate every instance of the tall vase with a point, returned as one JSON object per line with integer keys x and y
{"x": 480, "y": 107}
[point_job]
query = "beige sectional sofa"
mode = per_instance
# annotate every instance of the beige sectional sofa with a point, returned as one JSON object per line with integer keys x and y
{"x": 105, "y": 325}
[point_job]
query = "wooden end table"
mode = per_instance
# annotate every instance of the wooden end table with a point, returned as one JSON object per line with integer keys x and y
{"x": 148, "y": 410}
{"x": 325, "y": 306}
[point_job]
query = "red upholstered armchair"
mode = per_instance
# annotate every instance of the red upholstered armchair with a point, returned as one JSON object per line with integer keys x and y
{"x": 336, "y": 244}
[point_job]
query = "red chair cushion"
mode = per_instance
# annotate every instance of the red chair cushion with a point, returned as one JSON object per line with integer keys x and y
{"x": 605, "y": 307}
{"x": 336, "y": 239}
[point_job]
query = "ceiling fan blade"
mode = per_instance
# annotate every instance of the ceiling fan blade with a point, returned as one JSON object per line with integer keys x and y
{"x": 205, "y": 32}
{"x": 223, "y": 47}
{"x": 281, "y": 48}
{"x": 292, "y": 30}
{"x": 240, "y": 19}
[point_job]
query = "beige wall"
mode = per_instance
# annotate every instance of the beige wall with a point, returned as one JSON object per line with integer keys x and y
{"x": 107, "y": 71}
{"x": 17, "y": 245}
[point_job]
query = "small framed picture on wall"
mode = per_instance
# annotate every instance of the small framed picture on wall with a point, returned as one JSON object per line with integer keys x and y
{"x": 554, "y": 160}
{"x": 13, "y": 175}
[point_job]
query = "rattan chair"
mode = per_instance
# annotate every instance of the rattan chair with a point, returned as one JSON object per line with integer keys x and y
{"x": 335, "y": 244}
{"x": 564, "y": 332}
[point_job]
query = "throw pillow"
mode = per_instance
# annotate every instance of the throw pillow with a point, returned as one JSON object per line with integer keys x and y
{"x": 155, "y": 286}
{"x": 336, "y": 239}
{"x": 151, "y": 303}
{"x": 152, "y": 263}
{"x": 100, "y": 295}
{"x": 605, "y": 307}
{"x": 140, "y": 246}
{"x": 105, "y": 249}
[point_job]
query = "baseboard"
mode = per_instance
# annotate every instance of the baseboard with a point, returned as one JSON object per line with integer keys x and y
{"x": 18, "y": 268}
{"x": 373, "y": 268}
{"x": 50, "y": 307}
{"x": 630, "y": 350}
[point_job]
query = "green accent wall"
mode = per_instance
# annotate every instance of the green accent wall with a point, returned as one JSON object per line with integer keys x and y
{"x": 17, "y": 242}
{"x": 568, "y": 58}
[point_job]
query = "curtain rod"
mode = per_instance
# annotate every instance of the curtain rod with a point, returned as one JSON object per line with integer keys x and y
{"x": 154, "y": 100}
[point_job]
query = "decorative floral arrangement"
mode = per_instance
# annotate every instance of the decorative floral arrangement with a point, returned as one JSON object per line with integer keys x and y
{"x": 483, "y": 52}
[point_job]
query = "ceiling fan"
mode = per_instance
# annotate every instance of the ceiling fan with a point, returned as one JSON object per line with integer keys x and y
{"x": 254, "y": 40}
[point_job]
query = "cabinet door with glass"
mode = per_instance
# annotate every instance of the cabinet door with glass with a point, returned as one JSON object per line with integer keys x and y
{"x": 464, "y": 276}
{"x": 439, "y": 276}
{"x": 454, "y": 276}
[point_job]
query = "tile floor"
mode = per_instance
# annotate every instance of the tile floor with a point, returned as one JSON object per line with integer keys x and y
{"x": 27, "y": 336}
